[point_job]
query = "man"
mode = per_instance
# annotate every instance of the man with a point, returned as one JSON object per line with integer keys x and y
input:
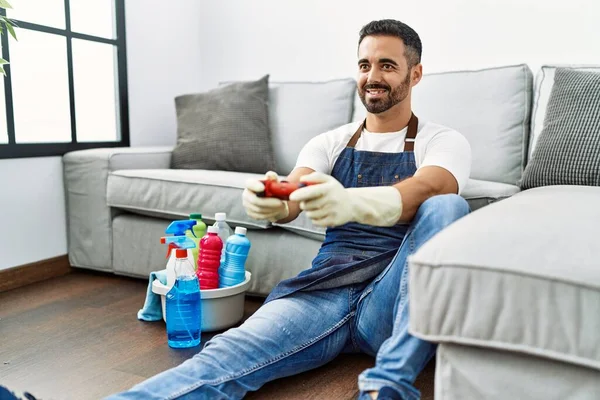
{"x": 382, "y": 187}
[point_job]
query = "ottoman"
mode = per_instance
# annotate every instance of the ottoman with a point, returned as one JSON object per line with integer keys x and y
{"x": 511, "y": 293}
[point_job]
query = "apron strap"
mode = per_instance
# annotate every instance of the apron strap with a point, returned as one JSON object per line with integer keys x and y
{"x": 409, "y": 141}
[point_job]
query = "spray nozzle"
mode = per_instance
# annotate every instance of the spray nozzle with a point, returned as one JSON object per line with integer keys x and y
{"x": 178, "y": 228}
{"x": 177, "y": 242}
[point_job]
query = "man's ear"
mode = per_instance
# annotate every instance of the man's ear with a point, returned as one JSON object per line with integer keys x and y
{"x": 417, "y": 74}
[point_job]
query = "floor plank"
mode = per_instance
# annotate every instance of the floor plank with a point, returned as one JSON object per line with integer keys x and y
{"x": 77, "y": 337}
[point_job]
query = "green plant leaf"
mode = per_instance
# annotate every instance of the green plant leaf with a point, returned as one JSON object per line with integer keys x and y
{"x": 3, "y": 62}
{"x": 7, "y": 20}
{"x": 5, "y": 4}
{"x": 11, "y": 30}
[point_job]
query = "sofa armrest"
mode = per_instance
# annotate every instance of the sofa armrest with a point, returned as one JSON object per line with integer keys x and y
{"x": 89, "y": 219}
{"x": 482, "y": 193}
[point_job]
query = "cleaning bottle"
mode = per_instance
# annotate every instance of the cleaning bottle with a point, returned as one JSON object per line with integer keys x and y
{"x": 209, "y": 259}
{"x": 237, "y": 247}
{"x": 224, "y": 230}
{"x": 177, "y": 229}
{"x": 182, "y": 309}
{"x": 196, "y": 233}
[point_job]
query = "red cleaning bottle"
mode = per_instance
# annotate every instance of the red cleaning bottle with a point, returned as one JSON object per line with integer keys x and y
{"x": 209, "y": 259}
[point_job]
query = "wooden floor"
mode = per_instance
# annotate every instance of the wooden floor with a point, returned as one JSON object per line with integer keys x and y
{"x": 77, "y": 337}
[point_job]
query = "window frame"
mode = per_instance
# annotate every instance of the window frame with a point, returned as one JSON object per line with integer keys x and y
{"x": 23, "y": 150}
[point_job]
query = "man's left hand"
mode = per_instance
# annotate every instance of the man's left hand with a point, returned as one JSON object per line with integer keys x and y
{"x": 327, "y": 203}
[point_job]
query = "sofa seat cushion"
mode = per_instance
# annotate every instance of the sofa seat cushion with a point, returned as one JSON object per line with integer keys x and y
{"x": 521, "y": 275}
{"x": 174, "y": 194}
{"x": 481, "y": 193}
{"x": 303, "y": 226}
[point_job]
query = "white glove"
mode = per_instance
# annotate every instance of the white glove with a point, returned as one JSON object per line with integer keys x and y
{"x": 262, "y": 208}
{"x": 328, "y": 203}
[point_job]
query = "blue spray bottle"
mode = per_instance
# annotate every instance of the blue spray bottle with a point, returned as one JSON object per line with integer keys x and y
{"x": 178, "y": 230}
{"x": 183, "y": 311}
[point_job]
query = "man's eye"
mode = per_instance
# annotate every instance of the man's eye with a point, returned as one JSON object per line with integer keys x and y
{"x": 387, "y": 66}
{"x": 363, "y": 66}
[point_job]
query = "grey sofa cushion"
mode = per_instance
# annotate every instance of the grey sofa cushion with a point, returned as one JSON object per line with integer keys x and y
{"x": 568, "y": 149}
{"x": 174, "y": 194}
{"x": 519, "y": 275}
{"x": 544, "y": 82}
{"x": 299, "y": 111}
{"x": 490, "y": 107}
{"x": 177, "y": 193}
{"x": 303, "y": 226}
{"x": 225, "y": 129}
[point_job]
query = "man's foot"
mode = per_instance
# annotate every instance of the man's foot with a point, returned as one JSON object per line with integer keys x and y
{"x": 387, "y": 393}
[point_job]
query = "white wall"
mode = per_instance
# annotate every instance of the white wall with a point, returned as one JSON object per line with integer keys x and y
{"x": 163, "y": 51}
{"x": 164, "y": 60}
{"x": 314, "y": 39}
{"x": 32, "y": 212}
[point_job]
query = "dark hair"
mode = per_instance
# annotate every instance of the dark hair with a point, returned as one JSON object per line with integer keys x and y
{"x": 390, "y": 27}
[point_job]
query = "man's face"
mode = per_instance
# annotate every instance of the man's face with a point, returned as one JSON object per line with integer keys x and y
{"x": 383, "y": 75}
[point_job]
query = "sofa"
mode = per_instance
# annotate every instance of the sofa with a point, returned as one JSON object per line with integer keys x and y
{"x": 510, "y": 311}
{"x": 511, "y": 293}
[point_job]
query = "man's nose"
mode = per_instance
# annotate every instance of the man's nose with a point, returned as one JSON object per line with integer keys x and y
{"x": 374, "y": 75}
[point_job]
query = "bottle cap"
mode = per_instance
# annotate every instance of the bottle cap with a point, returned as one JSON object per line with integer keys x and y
{"x": 196, "y": 216}
{"x": 181, "y": 253}
{"x": 240, "y": 230}
{"x": 220, "y": 216}
{"x": 212, "y": 229}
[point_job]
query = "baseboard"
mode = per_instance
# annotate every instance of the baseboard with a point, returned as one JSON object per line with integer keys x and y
{"x": 13, "y": 278}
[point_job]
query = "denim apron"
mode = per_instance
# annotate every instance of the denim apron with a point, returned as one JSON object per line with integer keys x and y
{"x": 355, "y": 253}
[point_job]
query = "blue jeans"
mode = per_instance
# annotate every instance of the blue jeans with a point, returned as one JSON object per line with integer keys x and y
{"x": 308, "y": 329}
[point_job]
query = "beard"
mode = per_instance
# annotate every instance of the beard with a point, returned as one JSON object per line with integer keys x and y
{"x": 393, "y": 96}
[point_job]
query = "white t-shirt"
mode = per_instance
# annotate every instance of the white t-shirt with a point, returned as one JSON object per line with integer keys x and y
{"x": 435, "y": 145}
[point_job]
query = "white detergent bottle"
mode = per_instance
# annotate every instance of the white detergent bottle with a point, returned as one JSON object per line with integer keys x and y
{"x": 179, "y": 240}
{"x": 224, "y": 231}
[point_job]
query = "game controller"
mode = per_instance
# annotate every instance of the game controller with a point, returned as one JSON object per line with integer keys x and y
{"x": 280, "y": 190}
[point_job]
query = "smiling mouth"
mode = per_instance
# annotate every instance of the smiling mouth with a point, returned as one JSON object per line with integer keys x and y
{"x": 376, "y": 92}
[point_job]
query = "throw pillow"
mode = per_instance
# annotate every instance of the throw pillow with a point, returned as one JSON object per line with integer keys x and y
{"x": 225, "y": 129}
{"x": 568, "y": 149}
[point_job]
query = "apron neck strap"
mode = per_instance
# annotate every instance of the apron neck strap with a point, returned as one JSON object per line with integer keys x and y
{"x": 409, "y": 141}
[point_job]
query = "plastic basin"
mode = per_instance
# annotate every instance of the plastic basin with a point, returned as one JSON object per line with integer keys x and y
{"x": 221, "y": 308}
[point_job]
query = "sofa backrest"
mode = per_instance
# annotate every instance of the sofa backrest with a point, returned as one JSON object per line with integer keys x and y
{"x": 299, "y": 111}
{"x": 490, "y": 107}
{"x": 544, "y": 81}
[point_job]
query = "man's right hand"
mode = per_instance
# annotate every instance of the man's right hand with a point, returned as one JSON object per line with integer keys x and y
{"x": 263, "y": 208}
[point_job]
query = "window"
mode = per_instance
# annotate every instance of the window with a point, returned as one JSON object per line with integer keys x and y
{"x": 65, "y": 87}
